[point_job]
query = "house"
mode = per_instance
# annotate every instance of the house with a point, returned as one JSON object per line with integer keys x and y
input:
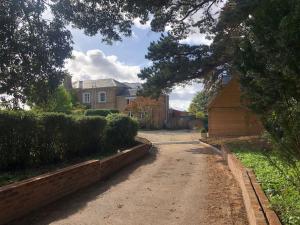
{"x": 112, "y": 94}
{"x": 227, "y": 116}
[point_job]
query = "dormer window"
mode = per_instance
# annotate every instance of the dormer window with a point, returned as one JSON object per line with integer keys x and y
{"x": 102, "y": 96}
{"x": 86, "y": 97}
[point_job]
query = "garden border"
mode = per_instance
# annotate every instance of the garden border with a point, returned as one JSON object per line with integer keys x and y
{"x": 20, "y": 198}
{"x": 257, "y": 205}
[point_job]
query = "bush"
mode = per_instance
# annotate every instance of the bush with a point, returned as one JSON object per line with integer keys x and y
{"x": 30, "y": 140}
{"x": 99, "y": 112}
{"x": 18, "y": 140}
{"x": 120, "y": 131}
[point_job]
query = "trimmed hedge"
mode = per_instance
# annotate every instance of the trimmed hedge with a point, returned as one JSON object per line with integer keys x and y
{"x": 30, "y": 140}
{"x": 120, "y": 131}
{"x": 99, "y": 112}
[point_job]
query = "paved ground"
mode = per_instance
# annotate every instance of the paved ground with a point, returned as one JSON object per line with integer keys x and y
{"x": 179, "y": 184}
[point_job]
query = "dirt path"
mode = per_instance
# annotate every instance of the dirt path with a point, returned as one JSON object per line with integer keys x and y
{"x": 179, "y": 184}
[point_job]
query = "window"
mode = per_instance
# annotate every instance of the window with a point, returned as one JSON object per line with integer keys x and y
{"x": 143, "y": 114}
{"x": 101, "y": 96}
{"x": 127, "y": 101}
{"x": 86, "y": 97}
{"x": 129, "y": 114}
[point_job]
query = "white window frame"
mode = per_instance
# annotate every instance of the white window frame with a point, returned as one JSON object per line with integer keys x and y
{"x": 86, "y": 99}
{"x": 99, "y": 97}
{"x": 143, "y": 115}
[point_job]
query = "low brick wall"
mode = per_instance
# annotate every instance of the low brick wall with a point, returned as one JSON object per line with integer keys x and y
{"x": 257, "y": 205}
{"x": 20, "y": 198}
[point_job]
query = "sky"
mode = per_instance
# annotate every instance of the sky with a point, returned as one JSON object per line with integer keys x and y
{"x": 122, "y": 61}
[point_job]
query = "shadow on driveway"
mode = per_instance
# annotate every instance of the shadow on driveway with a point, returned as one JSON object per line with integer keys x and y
{"x": 73, "y": 203}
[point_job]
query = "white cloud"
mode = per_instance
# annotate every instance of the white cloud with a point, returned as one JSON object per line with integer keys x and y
{"x": 181, "y": 96}
{"x": 94, "y": 64}
{"x": 139, "y": 25}
{"x": 196, "y": 38}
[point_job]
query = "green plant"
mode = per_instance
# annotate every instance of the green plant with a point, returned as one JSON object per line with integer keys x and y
{"x": 120, "y": 131}
{"x": 276, "y": 178}
{"x": 99, "y": 112}
{"x": 30, "y": 140}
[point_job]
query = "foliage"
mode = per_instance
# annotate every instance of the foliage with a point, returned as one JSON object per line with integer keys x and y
{"x": 275, "y": 176}
{"x": 34, "y": 46}
{"x": 269, "y": 62}
{"x": 99, "y": 112}
{"x": 31, "y": 140}
{"x": 199, "y": 104}
{"x": 143, "y": 106}
{"x": 32, "y": 51}
{"x": 120, "y": 131}
{"x": 59, "y": 101}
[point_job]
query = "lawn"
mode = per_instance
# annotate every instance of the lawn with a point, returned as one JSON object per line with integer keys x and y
{"x": 283, "y": 195}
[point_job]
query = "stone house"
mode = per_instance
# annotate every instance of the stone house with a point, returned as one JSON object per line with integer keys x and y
{"x": 227, "y": 116}
{"x": 112, "y": 94}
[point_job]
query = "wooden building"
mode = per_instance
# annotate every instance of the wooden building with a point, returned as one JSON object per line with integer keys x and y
{"x": 228, "y": 117}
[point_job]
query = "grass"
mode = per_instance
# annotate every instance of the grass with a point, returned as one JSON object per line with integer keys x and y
{"x": 274, "y": 176}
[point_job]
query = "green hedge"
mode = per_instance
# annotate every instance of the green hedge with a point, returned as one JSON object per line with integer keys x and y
{"x": 120, "y": 131}
{"x": 30, "y": 140}
{"x": 99, "y": 112}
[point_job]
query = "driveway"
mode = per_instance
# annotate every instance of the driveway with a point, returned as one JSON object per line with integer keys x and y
{"x": 181, "y": 183}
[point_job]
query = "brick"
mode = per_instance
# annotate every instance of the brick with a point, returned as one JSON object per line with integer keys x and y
{"x": 21, "y": 198}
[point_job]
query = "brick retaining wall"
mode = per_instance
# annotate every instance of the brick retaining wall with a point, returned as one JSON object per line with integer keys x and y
{"x": 257, "y": 205}
{"x": 22, "y": 197}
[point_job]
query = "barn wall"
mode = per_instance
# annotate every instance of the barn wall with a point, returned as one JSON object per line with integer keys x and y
{"x": 227, "y": 116}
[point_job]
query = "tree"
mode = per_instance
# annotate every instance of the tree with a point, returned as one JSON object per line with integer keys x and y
{"x": 34, "y": 46}
{"x": 143, "y": 107}
{"x": 59, "y": 101}
{"x": 199, "y": 103}
{"x": 32, "y": 51}
{"x": 269, "y": 61}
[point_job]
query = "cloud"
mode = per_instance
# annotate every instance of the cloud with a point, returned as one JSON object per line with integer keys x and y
{"x": 139, "y": 25}
{"x": 181, "y": 96}
{"x": 94, "y": 64}
{"x": 196, "y": 39}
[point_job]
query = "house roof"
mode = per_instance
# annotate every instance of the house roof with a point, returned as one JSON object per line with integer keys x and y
{"x": 87, "y": 84}
{"x": 127, "y": 89}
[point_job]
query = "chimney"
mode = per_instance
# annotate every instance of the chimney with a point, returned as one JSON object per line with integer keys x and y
{"x": 68, "y": 82}
{"x": 80, "y": 84}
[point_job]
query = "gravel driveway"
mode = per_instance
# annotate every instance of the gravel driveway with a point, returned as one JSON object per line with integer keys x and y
{"x": 178, "y": 184}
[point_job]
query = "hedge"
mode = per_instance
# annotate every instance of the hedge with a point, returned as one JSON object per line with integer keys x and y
{"x": 29, "y": 140}
{"x": 120, "y": 131}
{"x": 99, "y": 112}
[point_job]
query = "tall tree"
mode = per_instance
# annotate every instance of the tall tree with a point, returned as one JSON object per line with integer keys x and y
{"x": 269, "y": 61}
{"x": 199, "y": 103}
{"x": 32, "y": 50}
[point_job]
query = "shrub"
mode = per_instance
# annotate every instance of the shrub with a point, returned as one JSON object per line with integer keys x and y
{"x": 30, "y": 140}
{"x": 100, "y": 112}
{"x": 18, "y": 140}
{"x": 120, "y": 131}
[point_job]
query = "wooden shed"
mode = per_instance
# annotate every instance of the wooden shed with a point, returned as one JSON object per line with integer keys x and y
{"x": 228, "y": 117}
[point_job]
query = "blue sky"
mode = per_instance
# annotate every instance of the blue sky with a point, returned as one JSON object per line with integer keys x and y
{"x": 122, "y": 61}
